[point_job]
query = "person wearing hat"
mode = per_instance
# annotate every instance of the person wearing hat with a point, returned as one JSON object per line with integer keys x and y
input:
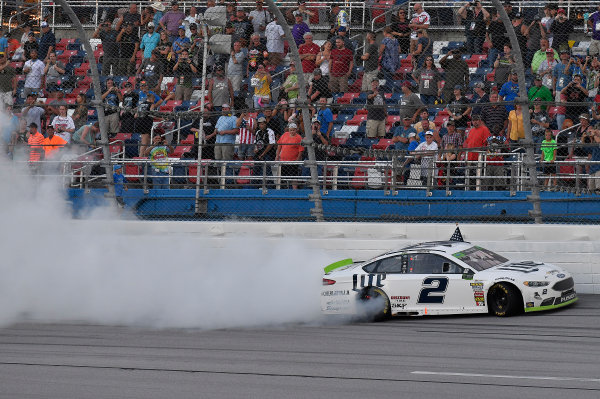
{"x": 171, "y": 21}
{"x": 401, "y": 134}
{"x": 546, "y": 69}
{"x": 299, "y": 28}
{"x": 342, "y": 33}
{"x": 561, "y": 28}
{"x": 8, "y": 82}
{"x": 521, "y": 31}
{"x": 480, "y": 97}
{"x": 259, "y": 17}
{"x": 474, "y": 18}
{"x": 562, "y": 73}
{"x": 538, "y": 90}
{"x": 340, "y": 17}
{"x": 129, "y": 44}
{"x": 426, "y": 153}
{"x": 34, "y": 72}
{"x": 47, "y": 41}
{"x": 510, "y": 90}
{"x": 540, "y": 121}
{"x": 182, "y": 42}
{"x": 184, "y": 71}
{"x": 149, "y": 40}
{"x": 410, "y": 103}
{"x": 52, "y": 143}
{"x": 119, "y": 181}
{"x": 594, "y": 25}
{"x": 576, "y": 93}
{"x": 265, "y": 142}
{"x": 452, "y": 136}
{"x": 220, "y": 89}
{"x": 30, "y": 44}
{"x": 459, "y": 107}
{"x": 420, "y": 20}
{"x": 225, "y": 131}
{"x": 236, "y": 66}
{"x": 33, "y": 111}
{"x": 318, "y": 87}
{"x": 110, "y": 47}
{"x": 290, "y": 86}
{"x": 542, "y": 54}
{"x": 289, "y": 148}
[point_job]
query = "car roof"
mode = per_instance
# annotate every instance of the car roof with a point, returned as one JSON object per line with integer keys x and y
{"x": 443, "y": 246}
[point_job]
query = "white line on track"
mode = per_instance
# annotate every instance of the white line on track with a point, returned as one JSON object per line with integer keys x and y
{"x": 524, "y": 377}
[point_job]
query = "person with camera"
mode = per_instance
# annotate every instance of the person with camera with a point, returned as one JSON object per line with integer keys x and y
{"x": 112, "y": 96}
{"x": 8, "y": 82}
{"x": 63, "y": 124}
{"x": 456, "y": 73}
{"x": 158, "y": 153}
{"x": 129, "y": 44}
{"x": 474, "y": 18}
{"x": 53, "y": 71}
{"x": 575, "y": 93}
{"x": 34, "y": 72}
{"x": 184, "y": 70}
{"x": 561, "y": 28}
{"x": 110, "y": 47}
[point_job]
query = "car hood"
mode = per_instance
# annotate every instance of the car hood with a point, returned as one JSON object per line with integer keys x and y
{"x": 525, "y": 271}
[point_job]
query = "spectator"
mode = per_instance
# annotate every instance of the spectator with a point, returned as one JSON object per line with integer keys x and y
{"x": 308, "y": 54}
{"x": 562, "y": 73}
{"x": 424, "y": 126}
{"x": 275, "y": 36}
{"x": 151, "y": 71}
{"x": 447, "y": 166}
{"x": 548, "y": 19}
{"x": 549, "y": 148}
{"x": 370, "y": 58}
{"x": 290, "y": 85}
{"x": 265, "y": 143}
{"x": 575, "y": 93}
{"x": 149, "y": 41}
{"x": 129, "y": 43}
{"x": 31, "y": 44}
{"x": 503, "y": 65}
{"x": 299, "y": 29}
{"x": 230, "y": 12}
{"x": 581, "y": 135}
{"x": 476, "y": 140}
{"x": 225, "y": 131}
{"x": 542, "y": 54}
{"x": 246, "y": 125}
{"x": 376, "y": 111}
{"x": 158, "y": 153}
{"x": 119, "y": 181}
{"x": 509, "y": 9}
{"x": 342, "y": 34}
{"x": 420, "y": 20}
{"x": 63, "y": 124}
{"x": 236, "y": 66}
{"x": 220, "y": 89}
{"x": 496, "y": 36}
{"x": 171, "y": 21}
{"x": 306, "y": 13}
{"x": 561, "y": 28}
{"x": 35, "y": 140}
{"x": 192, "y": 19}
{"x": 388, "y": 53}
{"x": 54, "y": 104}
{"x": 546, "y": 69}
{"x": 430, "y": 82}
{"x": 480, "y": 97}
{"x": 474, "y": 21}
{"x": 410, "y": 103}
{"x": 275, "y": 120}
{"x": 401, "y": 133}
{"x": 535, "y": 33}
{"x": 401, "y": 30}
{"x": 33, "y": 111}
{"x": 259, "y": 17}
{"x": 261, "y": 81}
{"x": 521, "y": 32}
{"x": 130, "y": 103}
{"x": 197, "y": 48}
{"x": 3, "y": 41}
{"x": 8, "y": 82}
{"x": 591, "y": 71}
{"x": 165, "y": 55}
{"x": 325, "y": 118}
{"x": 426, "y": 152}
{"x": 289, "y": 149}
{"x": 53, "y": 71}
{"x": 510, "y": 90}
{"x": 516, "y": 130}
{"x": 257, "y": 53}
{"x": 459, "y": 108}
{"x": 242, "y": 27}
{"x": 52, "y": 144}
{"x": 323, "y": 60}
{"x": 342, "y": 63}
{"x": 86, "y": 134}
{"x": 320, "y": 140}
{"x": 131, "y": 16}
{"x": 181, "y": 43}
{"x": 110, "y": 47}
{"x": 341, "y": 19}
{"x": 494, "y": 115}
{"x": 456, "y": 73}
{"x": 34, "y": 71}
{"x": 80, "y": 115}
{"x": 540, "y": 121}
{"x": 539, "y": 91}
{"x": 423, "y": 49}
{"x": 452, "y": 136}
{"x": 112, "y": 97}
{"x": 594, "y": 168}
{"x": 496, "y": 145}
{"x": 594, "y": 25}
{"x": 185, "y": 69}
{"x": 47, "y": 41}
{"x": 319, "y": 87}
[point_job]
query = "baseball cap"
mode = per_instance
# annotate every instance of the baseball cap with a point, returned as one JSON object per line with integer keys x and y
{"x": 518, "y": 15}
{"x": 561, "y": 10}
{"x": 225, "y": 106}
{"x": 406, "y": 84}
{"x": 317, "y": 71}
{"x": 549, "y": 50}
{"x": 292, "y": 126}
{"x": 458, "y": 87}
{"x": 584, "y": 116}
{"x": 342, "y": 29}
{"x": 476, "y": 117}
{"x": 538, "y": 77}
{"x": 261, "y": 119}
{"x": 480, "y": 85}
{"x": 44, "y": 24}
{"x": 565, "y": 51}
{"x": 182, "y": 27}
{"x": 413, "y": 134}
{"x": 407, "y": 117}
{"x": 315, "y": 119}
{"x": 31, "y": 34}
{"x": 429, "y": 133}
{"x": 150, "y": 24}
{"x": 117, "y": 167}
{"x": 143, "y": 83}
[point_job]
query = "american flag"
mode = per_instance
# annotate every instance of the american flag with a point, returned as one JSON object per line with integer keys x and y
{"x": 247, "y": 131}
{"x": 457, "y": 236}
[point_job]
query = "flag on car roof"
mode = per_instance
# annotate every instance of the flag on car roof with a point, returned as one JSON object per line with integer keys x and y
{"x": 457, "y": 236}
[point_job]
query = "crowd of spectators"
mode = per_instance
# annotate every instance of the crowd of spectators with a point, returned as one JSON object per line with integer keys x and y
{"x": 154, "y": 56}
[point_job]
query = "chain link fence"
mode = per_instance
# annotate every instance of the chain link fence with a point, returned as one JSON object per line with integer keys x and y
{"x": 204, "y": 115}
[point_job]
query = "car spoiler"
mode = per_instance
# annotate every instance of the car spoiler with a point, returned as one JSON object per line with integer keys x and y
{"x": 338, "y": 264}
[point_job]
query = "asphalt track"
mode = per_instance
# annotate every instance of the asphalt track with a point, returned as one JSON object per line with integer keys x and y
{"x": 545, "y": 355}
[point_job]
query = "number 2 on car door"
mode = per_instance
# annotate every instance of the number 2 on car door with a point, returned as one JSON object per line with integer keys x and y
{"x": 433, "y": 290}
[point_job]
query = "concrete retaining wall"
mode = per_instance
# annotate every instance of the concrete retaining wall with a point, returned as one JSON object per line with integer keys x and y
{"x": 576, "y": 248}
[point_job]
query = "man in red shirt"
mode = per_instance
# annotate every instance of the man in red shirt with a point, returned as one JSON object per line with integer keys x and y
{"x": 308, "y": 54}
{"x": 341, "y": 64}
{"x": 477, "y": 138}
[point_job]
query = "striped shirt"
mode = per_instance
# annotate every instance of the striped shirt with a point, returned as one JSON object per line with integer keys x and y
{"x": 36, "y": 142}
{"x": 247, "y": 131}
{"x": 456, "y": 139}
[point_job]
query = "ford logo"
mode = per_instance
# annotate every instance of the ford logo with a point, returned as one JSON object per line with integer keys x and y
{"x": 560, "y": 275}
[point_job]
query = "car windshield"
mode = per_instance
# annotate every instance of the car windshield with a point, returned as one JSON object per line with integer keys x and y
{"x": 480, "y": 258}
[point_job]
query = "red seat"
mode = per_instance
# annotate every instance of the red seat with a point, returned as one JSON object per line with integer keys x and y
{"x": 169, "y": 106}
{"x": 82, "y": 70}
{"x": 115, "y": 147}
{"x": 180, "y": 150}
{"x": 131, "y": 172}
{"x": 363, "y": 111}
{"x": 189, "y": 139}
{"x": 245, "y": 172}
{"x": 391, "y": 119}
{"x": 490, "y": 76}
{"x": 357, "y": 120}
{"x": 552, "y": 111}
{"x": 382, "y": 144}
{"x": 193, "y": 170}
{"x": 98, "y": 54}
{"x": 123, "y": 136}
{"x": 62, "y": 44}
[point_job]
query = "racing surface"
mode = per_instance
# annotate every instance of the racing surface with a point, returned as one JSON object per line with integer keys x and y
{"x": 544, "y": 355}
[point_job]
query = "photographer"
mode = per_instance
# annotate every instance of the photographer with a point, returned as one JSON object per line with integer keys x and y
{"x": 560, "y": 29}
{"x": 474, "y": 18}
{"x": 129, "y": 43}
{"x": 110, "y": 47}
{"x": 456, "y": 73}
{"x": 575, "y": 93}
{"x": 112, "y": 96}
{"x": 53, "y": 71}
{"x": 184, "y": 69}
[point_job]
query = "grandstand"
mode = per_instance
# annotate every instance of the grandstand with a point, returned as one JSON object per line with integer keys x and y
{"x": 349, "y": 157}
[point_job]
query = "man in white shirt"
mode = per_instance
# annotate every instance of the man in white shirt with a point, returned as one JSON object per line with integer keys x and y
{"x": 275, "y": 36}
{"x": 426, "y": 151}
{"x": 420, "y": 20}
{"x": 259, "y": 17}
{"x": 63, "y": 124}
{"x": 34, "y": 71}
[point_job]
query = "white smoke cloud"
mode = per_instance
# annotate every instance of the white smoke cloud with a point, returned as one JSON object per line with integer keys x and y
{"x": 58, "y": 269}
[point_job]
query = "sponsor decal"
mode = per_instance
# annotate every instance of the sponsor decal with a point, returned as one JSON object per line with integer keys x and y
{"x": 367, "y": 281}
{"x": 335, "y": 293}
{"x": 338, "y": 302}
{"x": 400, "y": 298}
{"x": 560, "y": 275}
{"x": 544, "y": 291}
{"x": 524, "y": 267}
{"x": 477, "y": 286}
{"x": 398, "y": 305}
{"x": 479, "y": 298}
{"x": 505, "y": 278}
{"x": 529, "y": 304}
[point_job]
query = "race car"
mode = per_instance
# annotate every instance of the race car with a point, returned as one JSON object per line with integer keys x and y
{"x": 443, "y": 278}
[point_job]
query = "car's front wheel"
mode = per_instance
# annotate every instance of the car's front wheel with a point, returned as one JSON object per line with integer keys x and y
{"x": 504, "y": 300}
{"x": 374, "y": 304}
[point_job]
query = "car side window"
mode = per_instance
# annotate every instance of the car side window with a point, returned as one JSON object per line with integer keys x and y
{"x": 427, "y": 263}
{"x": 391, "y": 264}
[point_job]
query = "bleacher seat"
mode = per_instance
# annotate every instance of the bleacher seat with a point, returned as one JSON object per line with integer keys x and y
{"x": 169, "y": 106}
{"x": 179, "y": 150}
{"x": 382, "y": 144}
{"x": 346, "y": 98}
{"x": 245, "y": 172}
{"x": 357, "y": 119}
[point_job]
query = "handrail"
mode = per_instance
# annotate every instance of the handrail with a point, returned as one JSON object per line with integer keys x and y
{"x": 36, "y": 5}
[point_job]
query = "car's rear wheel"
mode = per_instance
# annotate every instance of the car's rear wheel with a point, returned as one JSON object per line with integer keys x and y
{"x": 504, "y": 300}
{"x": 375, "y": 304}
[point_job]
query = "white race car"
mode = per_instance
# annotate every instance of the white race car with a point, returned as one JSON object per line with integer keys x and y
{"x": 442, "y": 278}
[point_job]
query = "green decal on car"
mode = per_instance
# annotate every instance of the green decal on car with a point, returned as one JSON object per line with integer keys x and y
{"x": 338, "y": 264}
{"x": 560, "y": 305}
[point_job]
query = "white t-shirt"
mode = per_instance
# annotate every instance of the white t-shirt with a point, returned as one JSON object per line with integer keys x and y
{"x": 33, "y": 80}
{"x": 427, "y": 161}
{"x": 421, "y": 18}
{"x": 274, "y": 34}
{"x": 60, "y": 124}
{"x": 260, "y": 18}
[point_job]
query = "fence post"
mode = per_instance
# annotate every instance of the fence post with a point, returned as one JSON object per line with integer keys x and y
{"x": 534, "y": 198}
{"x": 317, "y": 210}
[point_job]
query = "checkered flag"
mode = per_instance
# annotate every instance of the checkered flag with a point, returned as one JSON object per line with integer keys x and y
{"x": 457, "y": 236}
